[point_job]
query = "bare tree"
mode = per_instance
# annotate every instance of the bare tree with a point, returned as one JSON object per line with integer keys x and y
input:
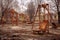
{"x": 58, "y": 11}
{"x": 57, "y": 4}
{"x": 31, "y": 10}
{"x": 6, "y": 5}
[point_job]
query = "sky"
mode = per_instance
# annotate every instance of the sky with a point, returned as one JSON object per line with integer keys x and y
{"x": 23, "y": 4}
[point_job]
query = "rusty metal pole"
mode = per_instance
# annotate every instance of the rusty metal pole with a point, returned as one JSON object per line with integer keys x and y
{"x": 39, "y": 15}
{"x": 48, "y": 18}
{"x": 44, "y": 13}
{"x": 34, "y": 17}
{"x": 16, "y": 18}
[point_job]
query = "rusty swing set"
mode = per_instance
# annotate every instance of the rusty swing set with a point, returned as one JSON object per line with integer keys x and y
{"x": 43, "y": 26}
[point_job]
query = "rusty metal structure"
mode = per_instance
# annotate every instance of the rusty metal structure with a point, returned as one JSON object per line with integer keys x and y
{"x": 14, "y": 19}
{"x": 43, "y": 26}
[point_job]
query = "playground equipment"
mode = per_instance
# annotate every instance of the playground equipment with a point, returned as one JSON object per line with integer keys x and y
{"x": 13, "y": 16}
{"x": 23, "y": 18}
{"x": 43, "y": 26}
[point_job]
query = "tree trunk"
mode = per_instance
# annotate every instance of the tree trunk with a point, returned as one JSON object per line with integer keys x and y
{"x": 59, "y": 17}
